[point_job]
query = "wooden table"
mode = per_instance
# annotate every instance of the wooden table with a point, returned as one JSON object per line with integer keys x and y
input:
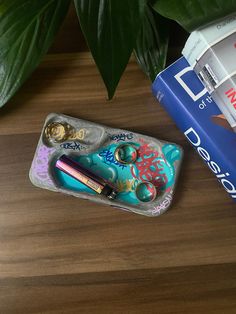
{"x": 60, "y": 254}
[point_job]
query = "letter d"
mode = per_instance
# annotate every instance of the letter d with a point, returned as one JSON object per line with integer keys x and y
{"x": 193, "y": 137}
{"x": 179, "y": 79}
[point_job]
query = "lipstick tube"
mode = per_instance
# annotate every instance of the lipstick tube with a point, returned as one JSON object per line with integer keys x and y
{"x": 85, "y": 176}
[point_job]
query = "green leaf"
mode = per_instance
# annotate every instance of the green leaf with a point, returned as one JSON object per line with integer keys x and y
{"x": 192, "y": 14}
{"x": 110, "y": 28}
{"x": 27, "y": 29}
{"x": 152, "y": 43}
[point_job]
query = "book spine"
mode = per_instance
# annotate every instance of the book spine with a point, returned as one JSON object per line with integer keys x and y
{"x": 196, "y": 133}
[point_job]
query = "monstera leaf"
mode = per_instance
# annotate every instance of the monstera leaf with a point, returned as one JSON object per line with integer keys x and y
{"x": 111, "y": 28}
{"x": 152, "y": 43}
{"x": 27, "y": 28}
{"x": 192, "y": 14}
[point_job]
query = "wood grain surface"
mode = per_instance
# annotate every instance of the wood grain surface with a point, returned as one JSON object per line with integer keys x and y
{"x": 60, "y": 254}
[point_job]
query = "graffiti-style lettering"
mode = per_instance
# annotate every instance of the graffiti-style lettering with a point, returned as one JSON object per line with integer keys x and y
{"x": 110, "y": 159}
{"x": 72, "y": 145}
{"x": 122, "y": 137}
{"x": 149, "y": 165}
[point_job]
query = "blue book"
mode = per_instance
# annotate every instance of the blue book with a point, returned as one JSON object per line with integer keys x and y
{"x": 182, "y": 94}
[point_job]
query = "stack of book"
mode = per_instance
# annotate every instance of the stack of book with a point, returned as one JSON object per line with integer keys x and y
{"x": 182, "y": 93}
